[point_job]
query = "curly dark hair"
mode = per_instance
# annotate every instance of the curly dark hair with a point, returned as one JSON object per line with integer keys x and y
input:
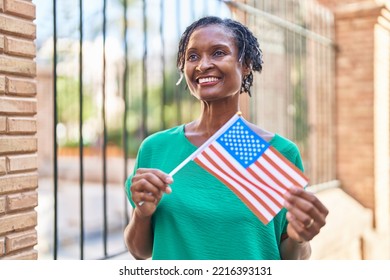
{"x": 248, "y": 46}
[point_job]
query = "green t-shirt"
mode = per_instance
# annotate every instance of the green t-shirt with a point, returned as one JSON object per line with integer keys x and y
{"x": 202, "y": 219}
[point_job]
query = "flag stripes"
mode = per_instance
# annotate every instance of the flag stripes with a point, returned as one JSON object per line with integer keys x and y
{"x": 286, "y": 167}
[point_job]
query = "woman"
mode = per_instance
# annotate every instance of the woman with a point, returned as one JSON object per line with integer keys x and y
{"x": 195, "y": 216}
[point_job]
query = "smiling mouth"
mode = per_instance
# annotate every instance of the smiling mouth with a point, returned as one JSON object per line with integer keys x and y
{"x": 207, "y": 80}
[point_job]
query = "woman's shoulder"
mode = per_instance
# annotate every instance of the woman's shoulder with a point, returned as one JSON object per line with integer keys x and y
{"x": 162, "y": 136}
{"x": 288, "y": 149}
{"x": 266, "y": 135}
{"x": 281, "y": 143}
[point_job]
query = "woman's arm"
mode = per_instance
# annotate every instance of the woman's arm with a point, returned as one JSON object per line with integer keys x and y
{"x": 293, "y": 250}
{"x": 138, "y": 236}
{"x": 147, "y": 188}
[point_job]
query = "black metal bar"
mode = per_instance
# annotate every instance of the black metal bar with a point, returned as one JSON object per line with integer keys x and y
{"x": 125, "y": 88}
{"x": 55, "y": 165}
{"x": 104, "y": 148}
{"x": 163, "y": 68}
{"x": 144, "y": 128}
{"x": 81, "y": 145}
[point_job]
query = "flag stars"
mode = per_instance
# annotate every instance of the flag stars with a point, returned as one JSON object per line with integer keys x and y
{"x": 242, "y": 143}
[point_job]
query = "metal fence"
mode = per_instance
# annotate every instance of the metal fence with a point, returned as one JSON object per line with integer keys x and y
{"x": 294, "y": 95}
{"x": 113, "y": 79}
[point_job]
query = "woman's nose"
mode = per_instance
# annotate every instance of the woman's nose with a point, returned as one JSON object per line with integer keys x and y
{"x": 204, "y": 64}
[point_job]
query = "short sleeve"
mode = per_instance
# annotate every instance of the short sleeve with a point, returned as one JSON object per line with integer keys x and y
{"x": 128, "y": 180}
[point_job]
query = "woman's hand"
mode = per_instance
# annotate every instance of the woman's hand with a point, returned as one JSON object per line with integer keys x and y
{"x": 147, "y": 188}
{"x": 306, "y": 214}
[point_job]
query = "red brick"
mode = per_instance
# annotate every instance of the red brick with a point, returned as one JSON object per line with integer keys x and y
{"x": 3, "y": 124}
{"x": 2, "y": 44}
{"x": 21, "y": 126}
{"x": 18, "y": 66}
{"x": 2, "y": 243}
{"x": 20, "y": 8}
{"x": 17, "y": 222}
{"x": 2, "y": 205}
{"x": 18, "y": 145}
{"x": 22, "y": 87}
{"x": 22, "y": 201}
{"x": 17, "y": 47}
{"x": 2, "y": 84}
{"x": 30, "y": 254}
{"x": 18, "y": 183}
{"x": 19, "y": 27}
{"x": 3, "y": 167}
{"x": 18, "y": 106}
{"x": 22, "y": 163}
{"x": 20, "y": 240}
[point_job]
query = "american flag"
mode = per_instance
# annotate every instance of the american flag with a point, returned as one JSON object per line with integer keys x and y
{"x": 255, "y": 171}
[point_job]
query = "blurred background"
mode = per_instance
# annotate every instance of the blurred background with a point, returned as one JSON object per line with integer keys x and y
{"x": 82, "y": 83}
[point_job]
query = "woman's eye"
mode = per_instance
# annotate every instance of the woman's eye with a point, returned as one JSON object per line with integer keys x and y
{"x": 191, "y": 57}
{"x": 219, "y": 53}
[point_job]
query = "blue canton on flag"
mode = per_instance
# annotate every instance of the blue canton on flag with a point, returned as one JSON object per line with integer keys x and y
{"x": 242, "y": 143}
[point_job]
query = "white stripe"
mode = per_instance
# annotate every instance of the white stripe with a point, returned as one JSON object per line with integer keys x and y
{"x": 293, "y": 173}
{"x": 247, "y": 195}
{"x": 244, "y": 174}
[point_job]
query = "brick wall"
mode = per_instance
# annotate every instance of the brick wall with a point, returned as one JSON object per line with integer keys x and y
{"x": 18, "y": 142}
{"x": 362, "y": 92}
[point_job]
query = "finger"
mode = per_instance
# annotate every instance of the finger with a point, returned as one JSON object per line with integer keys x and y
{"x": 164, "y": 177}
{"x": 153, "y": 176}
{"x": 148, "y": 197}
{"x": 149, "y": 182}
{"x": 303, "y": 211}
{"x": 145, "y": 185}
{"x": 145, "y": 198}
{"x": 295, "y": 191}
{"x": 305, "y": 206}
{"x": 300, "y": 231}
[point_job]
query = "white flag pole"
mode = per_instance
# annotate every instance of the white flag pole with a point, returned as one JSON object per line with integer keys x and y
{"x": 205, "y": 144}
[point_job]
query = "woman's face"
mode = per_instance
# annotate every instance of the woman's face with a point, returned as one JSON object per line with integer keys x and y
{"x": 211, "y": 68}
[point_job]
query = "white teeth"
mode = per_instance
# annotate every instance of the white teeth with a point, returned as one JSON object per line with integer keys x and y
{"x": 207, "y": 80}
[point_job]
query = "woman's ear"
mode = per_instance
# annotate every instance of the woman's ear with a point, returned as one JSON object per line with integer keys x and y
{"x": 246, "y": 70}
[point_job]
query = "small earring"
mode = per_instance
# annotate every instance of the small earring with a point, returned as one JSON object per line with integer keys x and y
{"x": 180, "y": 79}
